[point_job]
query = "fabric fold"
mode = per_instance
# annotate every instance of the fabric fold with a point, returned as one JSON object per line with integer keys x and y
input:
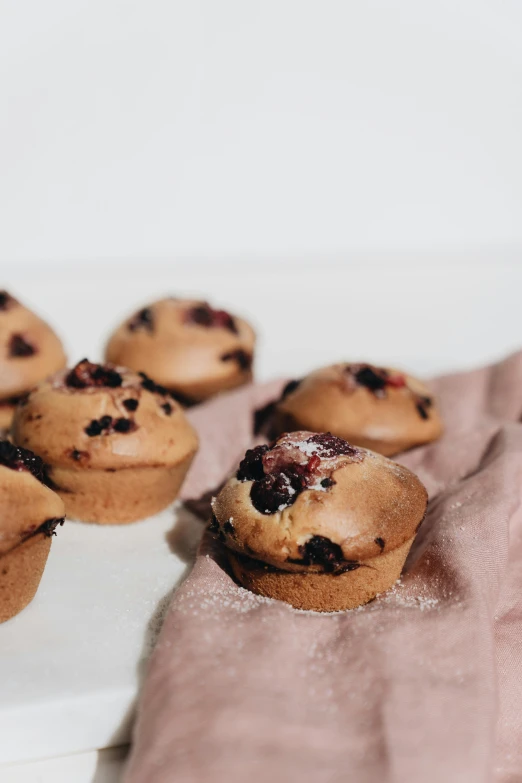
{"x": 421, "y": 684}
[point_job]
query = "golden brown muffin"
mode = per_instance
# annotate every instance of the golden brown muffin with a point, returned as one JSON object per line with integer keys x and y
{"x": 115, "y": 444}
{"x": 318, "y": 523}
{"x": 187, "y": 346}
{"x": 29, "y": 513}
{"x": 374, "y": 407}
{"x": 29, "y": 352}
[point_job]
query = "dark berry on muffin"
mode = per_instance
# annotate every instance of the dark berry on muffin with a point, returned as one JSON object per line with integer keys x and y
{"x": 243, "y": 359}
{"x": 251, "y": 466}
{"x": 151, "y": 386}
{"x": 143, "y": 319}
{"x": 18, "y": 458}
{"x": 319, "y": 550}
{"x": 290, "y": 387}
{"x": 124, "y": 425}
{"x": 20, "y": 347}
{"x": 86, "y": 375}
{"x": 204, "y": 315}
{"x": 48, "y": 528}
{"x": 281, "y": 472}
{"x": 78, "y": 455}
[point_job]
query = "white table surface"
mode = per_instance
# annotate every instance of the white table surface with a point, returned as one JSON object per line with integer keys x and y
{"x": 96, "y": 766}
{"x": 71, "y": 662}
{"x": 75, "y": 656}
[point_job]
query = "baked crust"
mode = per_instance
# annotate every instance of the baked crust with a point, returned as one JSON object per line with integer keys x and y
{"x": 187, "y": 346}
{"x": 116, "y": 448}
{"x": 340, "y": 513}
{"x": 56, "y": 423}
{"x": 25, "y": 504}
{"x": 29, "y": 352}
{"x": 373, "y": 506}
{"x": 29, "y": 514}
{"x": 391, "y": 419}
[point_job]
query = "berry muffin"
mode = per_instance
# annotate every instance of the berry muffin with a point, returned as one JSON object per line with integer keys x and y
{"x": 29, "y": 352}
{"x": 115, "y": 444}
{"x": 318, "y": 523}
{"x": 187, "y": 346}
{"x": 377, "y": 408}
{"x": 29, "y": 513}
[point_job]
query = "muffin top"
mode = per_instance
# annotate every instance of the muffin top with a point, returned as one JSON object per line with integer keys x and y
{"x": 314, "y": 502}
{"x": 103, "y": 417}
{"x": 375, "y": 407}
{"x": 27, "y": 506}
{"x": 29, "y": 349}
{"x": 186, "y": 346}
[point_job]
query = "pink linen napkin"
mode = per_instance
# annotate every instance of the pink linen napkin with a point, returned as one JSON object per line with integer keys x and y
{"x": 424, "y": 684}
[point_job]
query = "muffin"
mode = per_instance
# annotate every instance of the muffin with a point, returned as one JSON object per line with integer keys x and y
{"x": 29, "y": 514}
{"x": 116, "y": 445}
{"x": 317, "y": 522}
{"x": 29, "y": 352}
{"x": 375, "y": 407}
{"x": 187, "y": 346}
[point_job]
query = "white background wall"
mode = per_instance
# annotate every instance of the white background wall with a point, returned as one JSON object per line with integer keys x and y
{"x": 258, "y": 128}
{"x": 380, "y": 141}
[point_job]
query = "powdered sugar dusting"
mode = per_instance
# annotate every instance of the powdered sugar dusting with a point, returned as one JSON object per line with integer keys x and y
{"x": 222, "y": 597}
{"x": 225, "y": 595}
{"x": 318, "y": 486}
{"x": 310, "y": 449}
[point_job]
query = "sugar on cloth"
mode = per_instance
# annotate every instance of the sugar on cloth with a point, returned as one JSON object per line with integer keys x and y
{"x": 424, "y": 684}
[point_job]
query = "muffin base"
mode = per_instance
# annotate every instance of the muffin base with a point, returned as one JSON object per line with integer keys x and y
{"x": 321, "y": 592}
{"x": 118, "y": 497}
{"x": 21, "y": 570}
